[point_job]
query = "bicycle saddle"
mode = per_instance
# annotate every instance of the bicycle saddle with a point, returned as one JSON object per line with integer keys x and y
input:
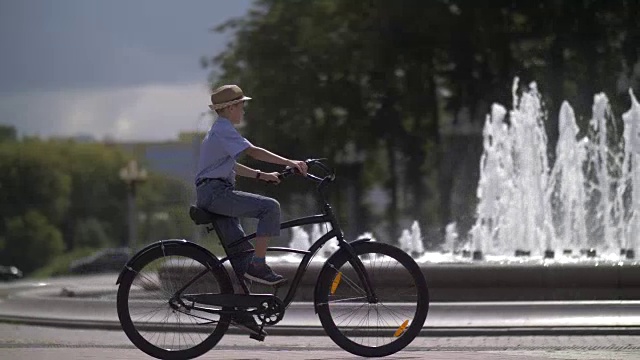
{"x": 202, "y": 216}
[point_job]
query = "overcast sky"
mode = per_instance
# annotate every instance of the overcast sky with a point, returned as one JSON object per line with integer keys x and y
{"x": 125, "y": 69}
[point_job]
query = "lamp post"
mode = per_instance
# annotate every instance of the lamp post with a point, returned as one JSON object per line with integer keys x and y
{"x": 132, "y": 175}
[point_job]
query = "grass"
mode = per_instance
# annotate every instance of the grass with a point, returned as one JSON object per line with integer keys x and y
{"x": 60, "y": 265}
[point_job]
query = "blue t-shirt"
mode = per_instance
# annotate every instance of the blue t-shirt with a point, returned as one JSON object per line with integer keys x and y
{"x": 219, "y": 151}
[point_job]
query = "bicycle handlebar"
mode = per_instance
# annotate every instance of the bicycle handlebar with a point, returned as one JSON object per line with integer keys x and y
{"x": 288, "y": 171}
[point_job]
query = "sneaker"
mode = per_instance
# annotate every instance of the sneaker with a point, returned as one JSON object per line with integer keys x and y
{"x": 263, "y": 274}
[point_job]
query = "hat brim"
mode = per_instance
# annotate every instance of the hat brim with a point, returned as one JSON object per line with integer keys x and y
{"x": 228, "y": 103}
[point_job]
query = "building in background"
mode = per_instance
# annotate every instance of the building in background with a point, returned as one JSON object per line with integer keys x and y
{"x": 176, "y": 159}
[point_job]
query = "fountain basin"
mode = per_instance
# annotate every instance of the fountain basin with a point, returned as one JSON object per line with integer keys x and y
{"x": 490, "y": 281}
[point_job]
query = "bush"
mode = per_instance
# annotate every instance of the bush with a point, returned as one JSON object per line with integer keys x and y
{"x": 31, "y": 242}
{"x": 90, "y": 233}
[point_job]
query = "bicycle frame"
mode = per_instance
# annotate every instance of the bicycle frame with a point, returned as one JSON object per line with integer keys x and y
{"x": 327, "y": 216}
{"x": 335, "y": 231}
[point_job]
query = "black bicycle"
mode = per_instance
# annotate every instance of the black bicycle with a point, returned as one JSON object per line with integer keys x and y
{"x": 176, "y": 299}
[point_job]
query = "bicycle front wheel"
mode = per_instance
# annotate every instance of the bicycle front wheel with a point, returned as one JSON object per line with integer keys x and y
{"x": 373, "y": 329}
{"x": 155, "y": 320}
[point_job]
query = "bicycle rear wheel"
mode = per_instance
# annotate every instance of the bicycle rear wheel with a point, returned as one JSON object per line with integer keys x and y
{"x": 372, "y": 329}
{"x": 164, "y": 328}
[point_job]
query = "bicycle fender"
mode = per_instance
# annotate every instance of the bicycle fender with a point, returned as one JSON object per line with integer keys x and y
{"x": 130, "y": 265}
{"x": 327, "y": 267}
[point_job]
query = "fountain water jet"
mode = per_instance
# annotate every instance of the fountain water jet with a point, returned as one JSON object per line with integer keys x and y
{"x": 631, "y": 172}
{"x": 299, "y": 239}
{"x": 582, "y": 202}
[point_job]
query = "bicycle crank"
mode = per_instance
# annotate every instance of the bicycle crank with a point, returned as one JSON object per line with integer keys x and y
{"x": 270, "y": 311}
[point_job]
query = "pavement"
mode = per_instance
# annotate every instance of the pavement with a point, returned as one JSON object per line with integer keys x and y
{"x": 23, "y": 342}
{"x": 75, "y": 318}
{"x": 89, "y": 302}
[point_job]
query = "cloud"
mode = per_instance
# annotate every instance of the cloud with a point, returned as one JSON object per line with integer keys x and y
{"x": 145, "y": 112}
{"x": 126, "y": 69}
{"x": 49, "y": 45}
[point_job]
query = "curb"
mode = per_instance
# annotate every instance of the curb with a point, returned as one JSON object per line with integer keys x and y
{"x": 319, "y": 331}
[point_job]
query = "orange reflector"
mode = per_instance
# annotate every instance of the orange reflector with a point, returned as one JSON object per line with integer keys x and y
{"x": 336, "y": 282}
{"x": 401, "y": 328}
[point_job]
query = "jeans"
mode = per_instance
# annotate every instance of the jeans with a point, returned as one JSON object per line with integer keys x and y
{"x": 220, "y": 197}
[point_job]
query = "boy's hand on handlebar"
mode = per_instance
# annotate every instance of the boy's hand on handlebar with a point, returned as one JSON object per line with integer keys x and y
{"x": 301, "y": 166}
{"x": 271, "y": 177}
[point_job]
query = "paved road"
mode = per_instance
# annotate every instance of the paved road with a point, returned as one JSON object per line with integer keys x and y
{"x": 505, "y": 331}
{"x": 20, "y": 342}
{"x": 93, "y": 306}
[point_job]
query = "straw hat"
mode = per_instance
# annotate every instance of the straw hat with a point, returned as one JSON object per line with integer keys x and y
{"x": 226, "y": 95}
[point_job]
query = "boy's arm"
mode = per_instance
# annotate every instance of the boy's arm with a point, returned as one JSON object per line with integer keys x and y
{"x": 245, "y": 171}
{"x": 261, "y": 154}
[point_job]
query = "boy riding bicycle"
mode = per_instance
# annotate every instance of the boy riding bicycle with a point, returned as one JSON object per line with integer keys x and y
{"x": 215, "y": 185}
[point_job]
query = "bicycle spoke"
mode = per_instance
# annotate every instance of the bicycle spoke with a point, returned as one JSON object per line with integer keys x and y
{"x": 350, "y": 282}
{"x": 343, "y": 300}
{"x": 159, "y": 323}
{"x": 400, "y": 315}
{"x": 379, "y": 324}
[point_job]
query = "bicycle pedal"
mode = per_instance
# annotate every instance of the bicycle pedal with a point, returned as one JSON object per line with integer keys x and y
{"x": 247, "y": 322}
{"x": 258, "y": 337}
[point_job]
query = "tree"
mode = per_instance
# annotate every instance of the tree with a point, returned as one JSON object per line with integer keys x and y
{"x": 96, "y": 189}
{"x": 72, "y": 192}
{"x": 90, "y": 232}
{"x": 66, "y": 182}
{"x": 7, "y": 133}
{"x": 164, "y": 205}
{"x": 30, "y": 241}
{"x": 337, "y": 61}
{"x": 31, "y": 178}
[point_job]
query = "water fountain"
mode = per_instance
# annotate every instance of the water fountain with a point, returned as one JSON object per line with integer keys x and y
{"x": 302, "y": 240}
{"x": 411, "y": 241}
{"x": 589, "y": 199}
{"x": 299, "y": 239}
{"x": 573, "y": 224}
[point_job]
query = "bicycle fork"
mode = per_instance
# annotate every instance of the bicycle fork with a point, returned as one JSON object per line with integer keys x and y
{"x": 358, "y": 266}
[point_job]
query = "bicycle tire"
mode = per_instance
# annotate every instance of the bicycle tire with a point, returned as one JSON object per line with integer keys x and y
{"x": 141, "y": 327}
{"x": 340, "y": 291}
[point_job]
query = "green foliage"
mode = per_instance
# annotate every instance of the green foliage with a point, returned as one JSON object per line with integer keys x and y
{"x": 332, "y": 74}
{"x": 59, "y": 266}
{"x": 66, "y": 182}
{"x": 7, "y": 133}
{"x": 31, "y": 241}
{"x": 97, "y": 191}
{"x": 163, "y": 204}
{"x": 166, "y": 222}
{"x": 160, "y": 190}
{"x": 31, "y": 177}
{"x": 90, "y": 233}
{"x": 57, "y": 195}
